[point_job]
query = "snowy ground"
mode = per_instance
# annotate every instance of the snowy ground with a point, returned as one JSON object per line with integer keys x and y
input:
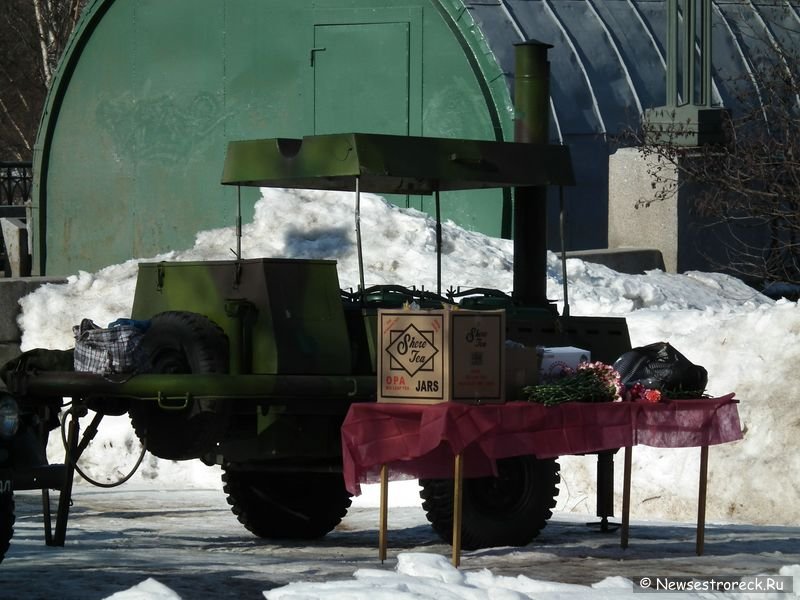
{"x": 190, "y": 542}
{"x": 748, "y": 343}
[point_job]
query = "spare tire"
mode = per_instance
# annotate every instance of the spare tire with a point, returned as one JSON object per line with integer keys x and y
{"x": 183, "y": 342}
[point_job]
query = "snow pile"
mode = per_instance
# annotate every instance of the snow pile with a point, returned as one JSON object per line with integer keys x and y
{"x": 432, "y": 577}
{"x": 420, "y": 576}
{"x": 748, "y": 343}
{"x": 149, "y": 589}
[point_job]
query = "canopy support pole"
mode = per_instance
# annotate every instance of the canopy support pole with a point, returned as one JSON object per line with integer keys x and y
{"x": 361, "y": 286}
{"x": 561, "y": 221}
{"x": 438, "y": 244}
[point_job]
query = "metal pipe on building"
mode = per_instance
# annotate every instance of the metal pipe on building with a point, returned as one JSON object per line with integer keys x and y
{"x": 707, "y": 66}
{"x": 531, "y": 125}
{"x": 689, "y": 53}
{"x": 672, "y": 53}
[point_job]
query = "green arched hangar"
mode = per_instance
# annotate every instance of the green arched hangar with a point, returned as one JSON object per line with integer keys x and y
{"x": 149, "y": 92}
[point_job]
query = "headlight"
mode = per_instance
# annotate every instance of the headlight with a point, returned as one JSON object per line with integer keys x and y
{"x": 9, "y": 416}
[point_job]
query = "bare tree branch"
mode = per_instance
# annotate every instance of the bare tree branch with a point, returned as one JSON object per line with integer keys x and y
{"x": 33, "y": 36}
{"x": 745, "y": 193}
{"x": 45, "y": 37}
{"x": 22, "y": 138}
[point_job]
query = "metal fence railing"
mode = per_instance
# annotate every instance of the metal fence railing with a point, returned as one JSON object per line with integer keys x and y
{"x": 16, "y": 179}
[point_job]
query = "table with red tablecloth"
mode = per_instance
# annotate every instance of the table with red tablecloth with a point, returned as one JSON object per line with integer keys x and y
{"x": 423, "y": 440}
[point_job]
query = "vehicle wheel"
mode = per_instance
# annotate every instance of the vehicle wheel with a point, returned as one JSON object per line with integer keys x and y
{"x": 287, "y": 505}
{"x": 6, "y": 522}
{"x": 182, "y": 342}
{"x": 508, "y": 510}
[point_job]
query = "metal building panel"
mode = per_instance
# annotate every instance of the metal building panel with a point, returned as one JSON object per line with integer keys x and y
{"x": 63, "y": 223}
{"x": 176, "y": 112}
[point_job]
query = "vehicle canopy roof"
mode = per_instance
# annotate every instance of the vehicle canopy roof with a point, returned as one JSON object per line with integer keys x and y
{"x": 393, "y": 164}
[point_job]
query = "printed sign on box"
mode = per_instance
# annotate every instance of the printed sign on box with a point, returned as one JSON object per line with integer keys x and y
{"x": 429, "y": 356}
{"x": 411, "y": 359}
{"x": 477, "y": 344}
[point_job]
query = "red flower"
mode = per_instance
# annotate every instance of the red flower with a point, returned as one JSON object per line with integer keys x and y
{"x": 652, "y": 396}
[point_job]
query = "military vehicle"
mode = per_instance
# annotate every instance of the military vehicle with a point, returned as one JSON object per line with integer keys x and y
{"x": 25, "y": 424}
{"x": 254, "y": 362}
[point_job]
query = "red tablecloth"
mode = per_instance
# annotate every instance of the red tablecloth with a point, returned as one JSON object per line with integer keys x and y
{"x": 421, "y": 440}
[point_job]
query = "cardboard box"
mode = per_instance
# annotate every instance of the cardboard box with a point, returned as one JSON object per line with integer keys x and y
{"x": 429, "y": 356}
{"x": 522, "y": 369}
{"x": 477, "y": 352}
{"x": 555, "y": 360}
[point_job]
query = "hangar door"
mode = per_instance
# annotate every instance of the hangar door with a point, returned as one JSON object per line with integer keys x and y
{"x": 368, "y": 75}
{"x": 361, "y": 78}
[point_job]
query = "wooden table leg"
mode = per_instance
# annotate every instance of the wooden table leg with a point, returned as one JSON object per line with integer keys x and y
{"x": 701, "y": 500}
{"x": 458, "y": 480}
{"x": 383, "y": 511}
{"x": 626, "y": 499}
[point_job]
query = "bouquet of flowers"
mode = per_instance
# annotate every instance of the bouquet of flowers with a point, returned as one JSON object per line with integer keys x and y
{"x": 590, "y": 382}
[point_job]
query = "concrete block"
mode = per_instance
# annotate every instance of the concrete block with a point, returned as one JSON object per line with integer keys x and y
{"x": 11, "y": 290}
{"x": 623, "y": 260}
{"x": 673, "y": 225}
{"x": 15, "y": 237}
{"x": 631, "y": 225}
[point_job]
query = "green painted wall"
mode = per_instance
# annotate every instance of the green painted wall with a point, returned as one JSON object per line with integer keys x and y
{"x": 130, "y": 150}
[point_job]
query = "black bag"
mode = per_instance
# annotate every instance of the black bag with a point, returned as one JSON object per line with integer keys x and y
{"x": 660, "y": 366}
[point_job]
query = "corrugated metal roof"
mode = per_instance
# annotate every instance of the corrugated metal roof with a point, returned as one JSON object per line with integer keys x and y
{"x": 609, "y": 62}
